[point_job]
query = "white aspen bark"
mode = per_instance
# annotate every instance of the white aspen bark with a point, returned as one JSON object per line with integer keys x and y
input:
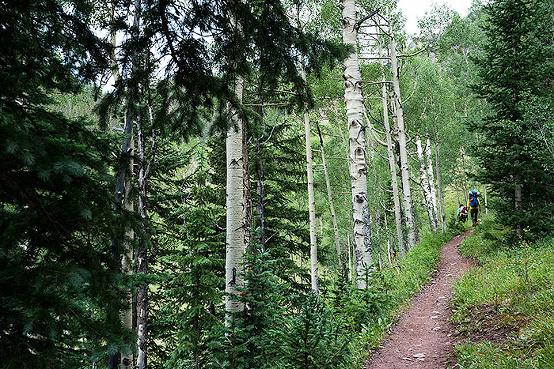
{"x": 439, "y": 189}
{"x": 431, "y": 181}
{"x": 329, "y": 194}
{"x": 425, "y": 185}
{"x": 234, "y": 242}
{"x": 311, "y": 199}
{"x": 143, "y": 302}
{"x": 357, "y": 155}
{"x": 392, "y": 169}
{"x": 404, "y": 169}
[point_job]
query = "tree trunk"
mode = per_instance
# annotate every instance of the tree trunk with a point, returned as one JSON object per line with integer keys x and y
{"x": 143, "y": 304}
{"x": 431, "y": 180}
{"x": 235, "y": 205}
{"x": 392, "y": 169}
{"x": 122, "y": 198}
{"x": 311, "y": 199}
{"x": 404, "y": 169}
{"x": 357, "y": 155}
{"x": 127, "y": 268}
{"x": 425, "y": 186}
{"x": 329, "y": 194}
{"x": 439, "y": 189}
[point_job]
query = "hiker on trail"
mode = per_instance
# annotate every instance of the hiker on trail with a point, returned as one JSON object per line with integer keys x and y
{"x": 462, "y": 213}
{"x": 474, "y": 206}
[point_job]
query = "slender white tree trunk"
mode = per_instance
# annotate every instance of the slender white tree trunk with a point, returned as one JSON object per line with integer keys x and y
{"x": 392, "y": 169}
{"x": 234, "y": 242}
{"x": 431, "y": 179}
{"x": 329, "y": 193}
{"x": 439, "y": 189}
{"x": 404, "y": 169}
{"x": 357, "y": 155}
{"x": 426, "y": 186}
{"x": 143, "y": 302}
{"x": 311, "y": 199}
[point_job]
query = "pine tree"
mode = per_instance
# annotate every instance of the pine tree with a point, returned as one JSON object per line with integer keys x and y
{"x": 59, "y": 284}
{"x": 516, "y": 64}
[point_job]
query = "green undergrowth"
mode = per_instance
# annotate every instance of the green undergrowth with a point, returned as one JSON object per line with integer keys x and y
{"x": 401, "y": 281}
{"x": 504, "y": 310}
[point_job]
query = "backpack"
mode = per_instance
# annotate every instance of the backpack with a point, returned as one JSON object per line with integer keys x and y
{"x": 473, "y": 202}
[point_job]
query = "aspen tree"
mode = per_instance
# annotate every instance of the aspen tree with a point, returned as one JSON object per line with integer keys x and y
{"x": 311, "y": 198}
{"x": 404, "y": 169}
{"x": 392, "y": 165}
{"x": 357, "y": 153}
{"x": 431, "y": 180}
{"x": 329, "y": 193}
{"x": 426, "y": 186}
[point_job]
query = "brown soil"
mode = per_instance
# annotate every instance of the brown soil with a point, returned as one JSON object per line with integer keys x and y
{"x": 487, "y": 323}
{"x": 423, "y": 337}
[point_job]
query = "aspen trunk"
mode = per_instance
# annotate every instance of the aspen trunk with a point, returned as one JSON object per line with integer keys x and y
{"x": 329, "y": 194}
{"x": 439, "y": 189}
{"x": 394, "y": 178}
{"x": 234, "y": 242}
{"x": 143, "y": 304}
{"x": 431, "y": 180}
{"x": 404, "y": 169}
{"x": 357, "y": 155}
{"x": 425, "y": 186}
{"x": 311, "y": 199}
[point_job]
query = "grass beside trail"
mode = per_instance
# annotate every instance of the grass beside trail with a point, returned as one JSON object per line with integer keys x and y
{"x": 504, "y": 310}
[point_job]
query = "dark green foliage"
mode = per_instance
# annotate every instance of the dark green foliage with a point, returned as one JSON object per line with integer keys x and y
{"x": 362, "y": 308}
{"x": 514, "y": 71}
{"x": 313, "y": 338}
{"x": 59, "y": 285}
{"x": 285, "y": 230}
{"x": 251, "y": 341}
{"x": 187, "y": 303}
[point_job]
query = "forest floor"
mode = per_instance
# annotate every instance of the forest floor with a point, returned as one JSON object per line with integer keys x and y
{"x": 423, "y": 337}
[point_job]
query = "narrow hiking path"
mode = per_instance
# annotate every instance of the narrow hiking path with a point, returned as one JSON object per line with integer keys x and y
{"x": 423, "y": 337}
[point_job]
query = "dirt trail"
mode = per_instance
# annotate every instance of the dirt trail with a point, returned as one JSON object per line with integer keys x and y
{"x": 423, "y": 337}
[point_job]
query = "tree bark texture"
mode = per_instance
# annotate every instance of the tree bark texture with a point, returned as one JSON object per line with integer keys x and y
{"x": 431, "y": 180}
{"x": 329, "y": 193}
{"x": 404, "y": 169}
{"x": 425, "y": 185}
{"x": 392, "y": 169}
{"x": 357, "y": 154}
{"x": 439, "y": 189}
{"x": 234, "y": 242}
{"x": 311, "y": 202}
